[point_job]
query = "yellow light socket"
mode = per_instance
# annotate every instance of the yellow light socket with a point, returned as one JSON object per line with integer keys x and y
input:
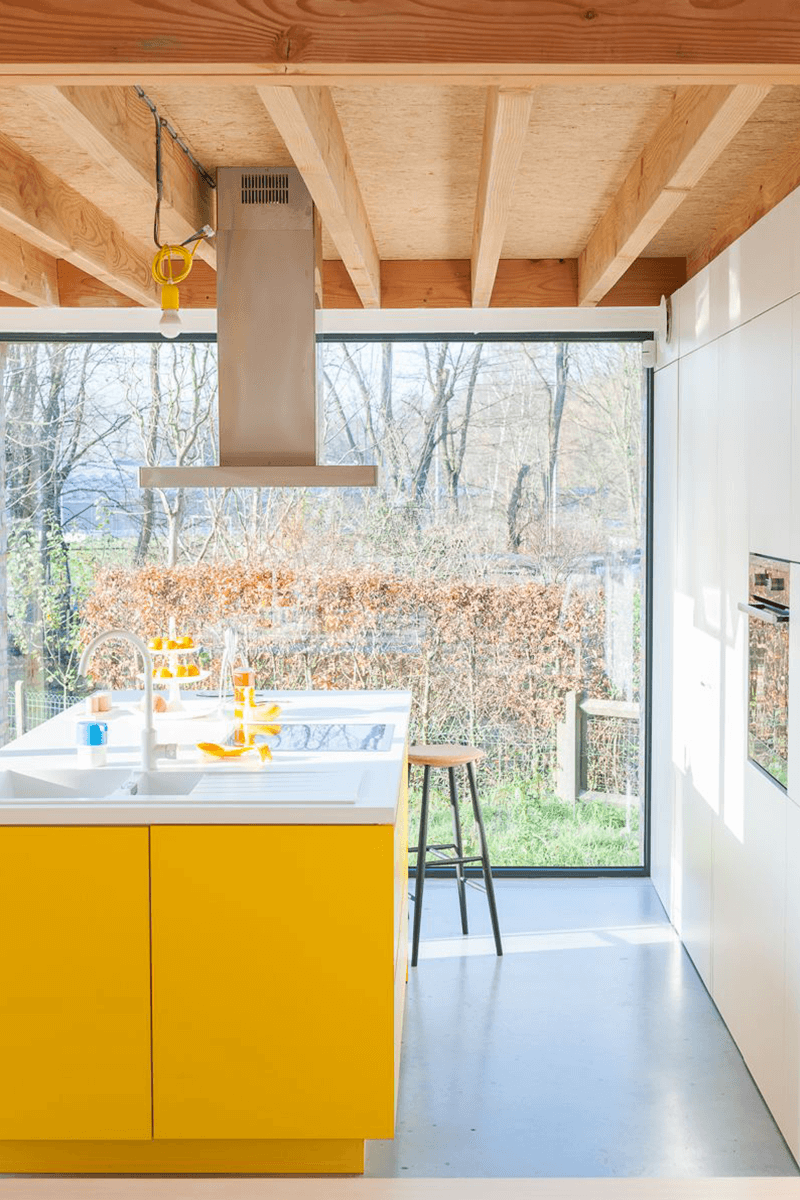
{"x": 170, "y": 297}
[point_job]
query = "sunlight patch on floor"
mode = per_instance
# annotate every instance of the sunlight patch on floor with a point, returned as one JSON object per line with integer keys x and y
{"x": 566, "y": 939}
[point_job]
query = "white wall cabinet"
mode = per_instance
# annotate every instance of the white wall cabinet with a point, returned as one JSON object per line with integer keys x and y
{"x": 766, "y": 365}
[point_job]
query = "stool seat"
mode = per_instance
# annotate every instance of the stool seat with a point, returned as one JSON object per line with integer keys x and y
{"x": 444, "y": 756}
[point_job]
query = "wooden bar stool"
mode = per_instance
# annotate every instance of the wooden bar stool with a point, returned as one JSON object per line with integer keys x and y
{"x": 450, "y": 757}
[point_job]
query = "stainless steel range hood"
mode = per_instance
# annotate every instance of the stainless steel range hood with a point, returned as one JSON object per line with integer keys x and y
{"x": 269, "y": 285}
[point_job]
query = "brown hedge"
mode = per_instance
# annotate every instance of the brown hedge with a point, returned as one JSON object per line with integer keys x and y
{"x": 486, "y": 660}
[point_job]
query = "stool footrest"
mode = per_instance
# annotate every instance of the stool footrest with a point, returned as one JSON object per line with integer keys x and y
{"x": 453, "y": 862}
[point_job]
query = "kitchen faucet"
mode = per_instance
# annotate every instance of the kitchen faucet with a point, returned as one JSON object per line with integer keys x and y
{"x": 149, "y": 747}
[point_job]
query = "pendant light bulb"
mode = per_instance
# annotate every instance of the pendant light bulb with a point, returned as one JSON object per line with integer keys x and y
{"x": 170, "y": 324}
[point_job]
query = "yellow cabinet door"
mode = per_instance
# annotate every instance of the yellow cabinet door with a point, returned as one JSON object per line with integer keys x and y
{"x": 273, "y": 1005}
{"x": 74, "y": 984}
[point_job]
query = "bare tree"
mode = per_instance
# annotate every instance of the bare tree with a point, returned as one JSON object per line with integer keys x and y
{"x": 513, "y": 520}
{"x": 4, "y": 673}
{"x": 454, "y": 431}
{"x": 149, "y": 425}
{"x": 555, "y": 388}
{"x": 50, "y": 435}
{"x": 608, "y": 389}
{"x": 176, "y": 425}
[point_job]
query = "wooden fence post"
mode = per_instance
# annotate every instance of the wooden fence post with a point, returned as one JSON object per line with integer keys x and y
{"x": 19, "y": 708}
{"x": 569, "y": 748}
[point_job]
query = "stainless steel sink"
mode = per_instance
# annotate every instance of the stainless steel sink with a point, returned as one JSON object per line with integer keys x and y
{"x": 67, "y": 783}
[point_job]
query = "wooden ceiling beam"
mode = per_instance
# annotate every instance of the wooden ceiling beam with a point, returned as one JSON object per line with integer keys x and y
{"x": 437, "y": 283}
{"x": 26, "y": 272}
{"x": 41, "y": 209}
{"x": 116, "y": 128}
{"x": 508, "y": 114}
{"x": 370, "y": 75}
{"x": 700, "y": 124}
{"x": 308, "y": 122}
{"x": 286, "y": 32}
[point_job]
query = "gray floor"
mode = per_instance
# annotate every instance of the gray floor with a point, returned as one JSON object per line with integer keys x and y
{"x": 590, "y": 1049}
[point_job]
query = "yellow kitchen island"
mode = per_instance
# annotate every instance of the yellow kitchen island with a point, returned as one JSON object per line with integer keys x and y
{"x": 193, "y": 982}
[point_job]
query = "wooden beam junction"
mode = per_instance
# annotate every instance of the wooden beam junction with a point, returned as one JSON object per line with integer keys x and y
{"x": 309, "y": 125}
{"x": 508, "y": 115}
{"x": 697, "y": 129}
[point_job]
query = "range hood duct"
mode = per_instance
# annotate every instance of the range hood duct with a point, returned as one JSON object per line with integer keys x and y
{"x": 269, "y": 285}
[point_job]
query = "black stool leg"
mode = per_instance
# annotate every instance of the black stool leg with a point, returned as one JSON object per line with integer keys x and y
{"x": 487, "y": 866}
{"x": 422, "y": 853}
{"x": 462, "y": 891}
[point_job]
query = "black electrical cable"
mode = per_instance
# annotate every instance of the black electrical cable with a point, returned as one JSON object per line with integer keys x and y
{"x": 161, "y": 124}
{"x": 159, "y": 184}
{"x": 176, "y": 137}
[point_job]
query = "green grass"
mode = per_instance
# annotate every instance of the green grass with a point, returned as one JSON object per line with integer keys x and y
{"x": 527, "y": 825}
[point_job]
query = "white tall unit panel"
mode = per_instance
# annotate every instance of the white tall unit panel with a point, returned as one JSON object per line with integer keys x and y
{"x": 697, "y": 654}
{"x": 665, "y": 508}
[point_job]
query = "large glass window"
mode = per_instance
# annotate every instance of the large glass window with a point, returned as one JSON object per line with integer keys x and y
{"x": 497, "y": 570}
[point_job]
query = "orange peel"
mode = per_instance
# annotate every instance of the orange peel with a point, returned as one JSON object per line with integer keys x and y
{"x": 215, "y": 751}
{"x": 260, "y": 713}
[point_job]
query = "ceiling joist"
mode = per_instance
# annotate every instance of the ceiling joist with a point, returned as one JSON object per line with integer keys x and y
{"x": 309, "y": 125}
{"x": 116, "y": 128}
{"x": 26, "y": 272}
{"x": 39, "y": 208}
{"x": 508, "y": 114}
{"x": 699, "y": 126}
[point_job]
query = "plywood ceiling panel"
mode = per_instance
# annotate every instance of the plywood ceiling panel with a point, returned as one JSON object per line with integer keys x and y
{"x": 580, "y": 145}
{"x": 416, "y": 153}
{"x": 225, "y": 127}
{"x": 775, "y": 123}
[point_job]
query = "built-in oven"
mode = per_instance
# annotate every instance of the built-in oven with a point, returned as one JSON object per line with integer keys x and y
{"x": 768, "y": 666}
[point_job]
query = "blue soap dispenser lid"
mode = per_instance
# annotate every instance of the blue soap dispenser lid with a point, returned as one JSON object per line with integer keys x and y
{"x": 91, "y": 733}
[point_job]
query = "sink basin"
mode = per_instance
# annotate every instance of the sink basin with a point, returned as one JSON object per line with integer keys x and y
{"x": 66, "y": 784}
{"x": 164, "y": 783}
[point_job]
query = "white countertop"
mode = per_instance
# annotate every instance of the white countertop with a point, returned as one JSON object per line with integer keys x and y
{"x": 311, "y": 787}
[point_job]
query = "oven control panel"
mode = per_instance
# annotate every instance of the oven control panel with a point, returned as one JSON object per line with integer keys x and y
{"x": 769, "y": 580}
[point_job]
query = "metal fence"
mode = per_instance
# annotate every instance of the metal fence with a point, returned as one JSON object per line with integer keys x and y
{"x": 28, "y": 707}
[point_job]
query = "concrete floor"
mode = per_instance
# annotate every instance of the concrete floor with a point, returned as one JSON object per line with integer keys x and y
{"x": 590, "y": 1049}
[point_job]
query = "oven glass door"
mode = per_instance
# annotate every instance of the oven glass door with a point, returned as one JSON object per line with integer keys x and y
{"x": 768, "y": 697}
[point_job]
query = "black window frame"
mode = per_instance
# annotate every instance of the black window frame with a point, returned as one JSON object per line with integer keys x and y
{"x": 642, "y": 871}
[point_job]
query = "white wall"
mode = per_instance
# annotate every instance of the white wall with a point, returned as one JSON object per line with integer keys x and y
{"x": 726, "y": 841}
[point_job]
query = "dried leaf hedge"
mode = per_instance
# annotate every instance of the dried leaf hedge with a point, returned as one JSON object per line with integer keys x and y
{"x": 485, "y": 661}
